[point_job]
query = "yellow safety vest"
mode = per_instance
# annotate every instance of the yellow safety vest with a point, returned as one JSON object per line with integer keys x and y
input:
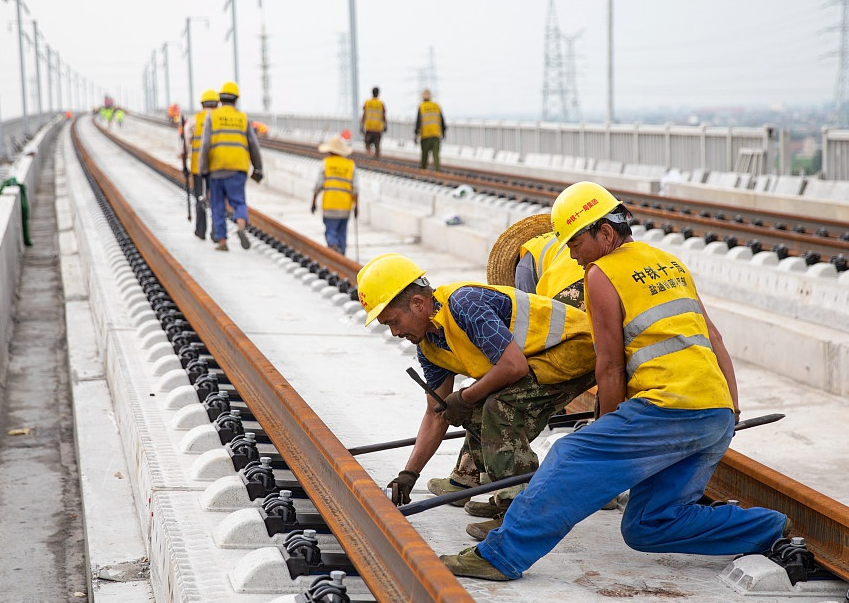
{"x": 228, "y": 142}
{"x": 669, "y": 358}
{"x": 197, "y": 137}
{"x": 554, "y": 337}
{"x": 337, "y": 200}
{"x": 431, "y": 120}
{"x": 373, "y": 116}
{"x": 555, "y": 268}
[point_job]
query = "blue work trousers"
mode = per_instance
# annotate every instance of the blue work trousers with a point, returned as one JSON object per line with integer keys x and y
{"x": 665, "y": 457}
{"x": 336, "y": 233}
{"x": 230, "y": 190}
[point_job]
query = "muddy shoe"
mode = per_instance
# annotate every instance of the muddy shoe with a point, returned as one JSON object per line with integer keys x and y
{"x": 487, "y": 509}
{"x": 478, "y": 531}
{"x": 243, "y": 238}
{"x": 471, "y": 565}
{"x": 613, "y": 504}
{"x": 444, "y": 485}
{"x": 222, "y": 246}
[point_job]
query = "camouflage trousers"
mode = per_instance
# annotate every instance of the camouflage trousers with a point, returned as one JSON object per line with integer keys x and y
{"x": 508, "y": 421}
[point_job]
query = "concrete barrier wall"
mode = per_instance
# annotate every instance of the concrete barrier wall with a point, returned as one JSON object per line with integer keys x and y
{"x": 25, "y": 169}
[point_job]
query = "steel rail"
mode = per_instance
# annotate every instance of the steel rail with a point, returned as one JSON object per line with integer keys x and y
{"x": 823, "y": 521}
{"x": 392, "y": 558}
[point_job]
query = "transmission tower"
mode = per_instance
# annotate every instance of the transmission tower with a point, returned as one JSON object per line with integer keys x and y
{"x": 264, "y": 65}
{"x": 841, "y": 92}
{"x": 559, "y": 90}
{"x": 344, "y": 101}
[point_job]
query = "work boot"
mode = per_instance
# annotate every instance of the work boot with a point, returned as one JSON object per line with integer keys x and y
{"x": 444, "y": 485}
{"x": 243, "y": 238}
{"x": 491, "y": 508}
{"x": 788, "y": 525}
{"x": 222, "y": 245}
{"x": 613, "y": 504}
{"x": 478, "y": 531}
{"x": 470, "y": 564}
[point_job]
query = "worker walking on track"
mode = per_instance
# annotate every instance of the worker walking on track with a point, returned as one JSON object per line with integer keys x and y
{"x": 530, "y": 357}
{"x": 668, "y": 406}
{"x": 373, "y": 122}
{"x": 430, "y": 126}
{"x": 228, "y": 149}
{"x": 337, "y": 182}
{"x": 193, "y": 134}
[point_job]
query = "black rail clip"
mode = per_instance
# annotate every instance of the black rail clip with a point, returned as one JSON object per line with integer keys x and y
{"x": 258, "y": 478}
{"x": 304, "y": 557}
{"x": 216, "y": 404}
{"x": 793, "y": 555}
{"x": 243, "y": 450}
{"x": 278, "y": 512}
{"x": 229, "y": 425}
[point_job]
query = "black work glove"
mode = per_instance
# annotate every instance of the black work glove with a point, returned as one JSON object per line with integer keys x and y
{"x": 257, "y": 176}
{"x": 312, "y": 209}
{"x": 404, "y": 485}
{"x": 185, "y": 171}
{"x": 457, "y": 411}
{"x": 356, "y": 211}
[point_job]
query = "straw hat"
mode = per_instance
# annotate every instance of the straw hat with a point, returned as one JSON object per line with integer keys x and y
{"x": 335, "y": 145}
{"x": 504, "y": 255}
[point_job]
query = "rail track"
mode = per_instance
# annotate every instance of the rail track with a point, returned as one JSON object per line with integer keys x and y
{"x": 393, "y": 559}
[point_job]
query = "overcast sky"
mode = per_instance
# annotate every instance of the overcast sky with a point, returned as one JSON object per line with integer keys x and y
{"x": 488, "y": 54}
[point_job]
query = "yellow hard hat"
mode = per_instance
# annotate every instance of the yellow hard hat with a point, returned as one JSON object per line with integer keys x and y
{"x": 209, "y": 96}
{"x": 230, "y": 88}
{"x": 579, "y": 206}
{"x": 384, "y": 277}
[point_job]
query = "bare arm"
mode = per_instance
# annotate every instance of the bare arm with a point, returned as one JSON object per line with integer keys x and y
{"x": 511, "y": 367}
{"x": 607, "y": 317}
{"x": 431, "y": 431}
{"x": 723, "y": 358}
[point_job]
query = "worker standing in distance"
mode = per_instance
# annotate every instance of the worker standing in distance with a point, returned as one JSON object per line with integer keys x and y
{"x": 430, "y": 127}
{"x": 373, "y": 122}
{"x": 530, "y": 356}
{"x": 119, "y": 117}
{"x": 668, "y": 406}
{"x": 228, "y": 149}
{"x": 338, "y": 184}
{"x": 193, "y": 134}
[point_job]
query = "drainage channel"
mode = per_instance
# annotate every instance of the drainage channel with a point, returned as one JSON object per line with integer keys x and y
{"x": 240, "y": 393}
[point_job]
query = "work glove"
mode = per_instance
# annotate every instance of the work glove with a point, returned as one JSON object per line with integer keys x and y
{"x": 185, "y": 171}
{"x": 401, "y": 487}
{"x": 312, "y": 209}
{"x": 415, "y": 140}
{"x": 457, "y": 411}
{"x": 257, "y": 176}
{"x": 356, "y": 211}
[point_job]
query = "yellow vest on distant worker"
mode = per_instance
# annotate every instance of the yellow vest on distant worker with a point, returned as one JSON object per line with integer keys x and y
{"x": 373, "y": 116}
{"x": 431, "y": 120}
{"x": 228, "y": 148}
{"x": 554, "y": 337}
{"x": 197, "y": 137}
{"x": 337, "y": 199}
{"x": 669, "y": 358}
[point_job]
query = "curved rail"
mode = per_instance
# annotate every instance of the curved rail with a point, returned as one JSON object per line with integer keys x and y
{"x": 823, "y": 521}
{"x": 389, "y": 554}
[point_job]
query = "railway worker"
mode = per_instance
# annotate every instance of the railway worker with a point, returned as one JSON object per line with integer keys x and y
{"x": 337, "y": 182}
{"x": 119, "y": 117}
{"x": 430, "y": 126}
{"x": 373, "y": 122}
{"x": 530, "y": 356}
{"x": 192, "y": 137}
{"x": 668, "y": 406}
{"x": 228, "y": 149}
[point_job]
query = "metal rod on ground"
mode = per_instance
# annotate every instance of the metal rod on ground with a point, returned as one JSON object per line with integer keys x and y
{"x": 438, "y": 501}
{"x": 440, "y": 403}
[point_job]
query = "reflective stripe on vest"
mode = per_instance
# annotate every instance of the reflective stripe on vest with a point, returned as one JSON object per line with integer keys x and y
{"x": 197, "y": 138}
{"x": 538, "y": 324}
{"x": 373, "y": 120}
{"x": 228, "y": 142}
{"x": 669, "y": 359}
{"x": 337, "y": 200}
{"x": 431, "y": 120}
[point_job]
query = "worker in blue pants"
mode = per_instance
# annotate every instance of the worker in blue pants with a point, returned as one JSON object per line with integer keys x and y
{"x": 667, "y": 406}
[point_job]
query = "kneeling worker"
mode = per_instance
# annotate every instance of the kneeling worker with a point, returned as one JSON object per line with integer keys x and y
{"x": 668, "y": 406}
{"x": 529, "y": 354}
